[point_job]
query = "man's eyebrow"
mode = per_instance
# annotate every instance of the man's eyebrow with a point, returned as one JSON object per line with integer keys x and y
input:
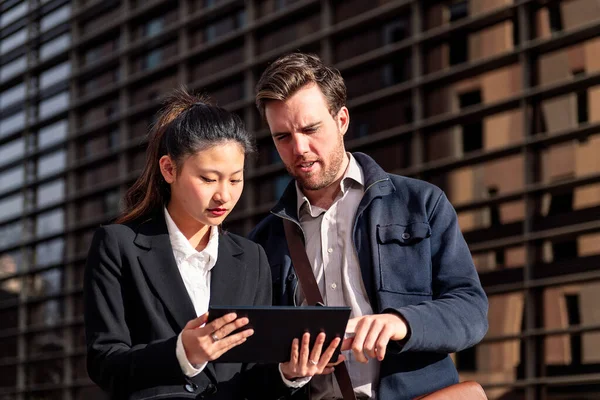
{"x": 304, "y": 128}
{"x": 313, "y": 125}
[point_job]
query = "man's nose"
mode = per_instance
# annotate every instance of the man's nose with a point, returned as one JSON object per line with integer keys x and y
{"x": 300, "y": 143}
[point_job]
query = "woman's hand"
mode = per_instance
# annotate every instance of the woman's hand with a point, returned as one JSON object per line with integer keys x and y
{"x": 304, "y": 362}
{"x": 207, "y": 343}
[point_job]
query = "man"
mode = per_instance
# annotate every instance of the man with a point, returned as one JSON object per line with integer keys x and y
{"x": 387, "y": 246}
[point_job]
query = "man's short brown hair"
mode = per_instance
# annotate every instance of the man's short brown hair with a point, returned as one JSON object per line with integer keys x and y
{"x": 289, "y": 73}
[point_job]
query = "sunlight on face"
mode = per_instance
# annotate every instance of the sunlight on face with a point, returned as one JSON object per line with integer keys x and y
{"x": 208, "y": 184}
{"x": 310, "y": 141}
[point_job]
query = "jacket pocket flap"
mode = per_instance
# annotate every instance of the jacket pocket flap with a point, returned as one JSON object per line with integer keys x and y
{"x": 403, "y": 234}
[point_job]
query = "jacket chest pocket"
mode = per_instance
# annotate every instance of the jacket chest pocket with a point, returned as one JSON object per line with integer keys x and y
{"x": 405, "y": 258}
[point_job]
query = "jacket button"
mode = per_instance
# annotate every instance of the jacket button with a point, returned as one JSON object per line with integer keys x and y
{"x": 211, "y": 389}
{"x": 190, "y": 387}
{"x": 291, "y": 277}
{"x": 406, "y": 236}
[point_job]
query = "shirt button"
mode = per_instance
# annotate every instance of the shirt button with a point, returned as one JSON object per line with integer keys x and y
{"x": 333, "y": 285}
{"x": 406, "y": 236}
{"x": 190, "y": 387}
{"x": 330, "y": 250}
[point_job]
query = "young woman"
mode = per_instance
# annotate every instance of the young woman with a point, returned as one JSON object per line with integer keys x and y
{"x": 150, "y": 277}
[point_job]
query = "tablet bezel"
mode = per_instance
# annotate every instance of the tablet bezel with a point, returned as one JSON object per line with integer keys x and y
{"x": 275, "y": 340}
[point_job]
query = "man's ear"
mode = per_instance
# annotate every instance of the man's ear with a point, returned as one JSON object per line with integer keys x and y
{"x": 343, "y": 120}
{"x": 167, "y": 169}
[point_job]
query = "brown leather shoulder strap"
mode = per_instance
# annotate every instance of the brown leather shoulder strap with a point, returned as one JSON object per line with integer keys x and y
{"x": 312, "y": 293}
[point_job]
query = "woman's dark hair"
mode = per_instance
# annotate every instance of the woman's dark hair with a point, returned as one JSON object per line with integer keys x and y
{"x": 186, "y": 125}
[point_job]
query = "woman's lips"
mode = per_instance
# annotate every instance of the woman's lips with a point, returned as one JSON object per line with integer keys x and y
{"x": 217, "y": 212}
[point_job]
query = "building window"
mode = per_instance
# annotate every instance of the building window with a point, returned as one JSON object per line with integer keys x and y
{"x": 211, "y": 33}
{"x": 113, "y": 139}
{"x": 13, "y": 14}
{"x": 11, "y": 206}
{"x": 13, "y": 41}
{"x": 110, "y": 203}
{"x": 56, "y": 74}
{"x": 152, "y": 59}
{"x": 55, "y": 17}
{"x": 12, "y": 151}
{"x": 515, "y": 31}
{"x": 54, "y": 104}
{"x": 13, "y": 68}
{"x": 472, "y": 132}
{"x": 154, "y": 27}
{"x": 561, "y": 204}
{"x": 10, "y": 235}
{"x": 12, "y": 178}
{"x": 574, "y": 316}
{"x": 280, "y": 5}
{"x": 240, "y": 19}
{"x": 55, "y": 46}
{"x": 50, "y": 193}
{"x": 363, "y": 129}
{"x": 458, "y": 10}
{"x": 555, "y": 16}
{"x": 395, "y": 31}
{"x": 396, "y": 71}
{"x": 12, "y": 96}
{"x": 12, "y": 123}
{"x": 51, "y": 163}
{"x": 100, "y": 51}
{"x": 495, "y": 222}
{"x": 52, "y": 134}
{"x": 459, "y": 44}
{"x": 50, "y": 222}
{"x": 582, "y": 101}
{"x": 50, "y": 252}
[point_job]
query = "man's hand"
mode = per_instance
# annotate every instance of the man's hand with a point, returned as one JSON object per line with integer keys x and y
{"x": 372, "y": 334}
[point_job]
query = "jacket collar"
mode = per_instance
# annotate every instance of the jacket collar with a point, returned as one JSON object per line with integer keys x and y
{"x": 377, "y": 183}
{"x": 160, "y": 267}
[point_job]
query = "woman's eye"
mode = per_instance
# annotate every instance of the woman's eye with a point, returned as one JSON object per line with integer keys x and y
{"x": 205, "y": 179}
{"x": 236, "y": 181}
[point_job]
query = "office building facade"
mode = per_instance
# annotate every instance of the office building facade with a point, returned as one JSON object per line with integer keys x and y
{"x": 495, "y": 101}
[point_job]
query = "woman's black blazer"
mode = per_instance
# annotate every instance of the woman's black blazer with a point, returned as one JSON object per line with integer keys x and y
{"x": 136, "y": 304}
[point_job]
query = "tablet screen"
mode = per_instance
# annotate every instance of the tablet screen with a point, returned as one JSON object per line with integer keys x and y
{"x": 276, "y": 327}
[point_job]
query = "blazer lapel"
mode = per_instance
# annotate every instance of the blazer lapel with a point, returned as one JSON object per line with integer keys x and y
{"x": 226, "y": 278}
{"x": 160, "y": 267}
{"x": 228, "y": 275}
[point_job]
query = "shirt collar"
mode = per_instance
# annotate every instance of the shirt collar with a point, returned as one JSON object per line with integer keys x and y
{"x": 353, "y": 175}
{"x": 181, "y": 245}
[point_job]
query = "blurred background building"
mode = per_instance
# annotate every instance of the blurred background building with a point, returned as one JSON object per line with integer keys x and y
{"x": 495, "y": 101}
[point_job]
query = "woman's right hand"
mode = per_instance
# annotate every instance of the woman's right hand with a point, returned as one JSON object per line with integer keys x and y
{"x": 207, "y": 343}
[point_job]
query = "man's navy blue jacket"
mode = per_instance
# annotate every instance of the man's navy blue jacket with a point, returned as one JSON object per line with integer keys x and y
{"x": 414, "y": 261}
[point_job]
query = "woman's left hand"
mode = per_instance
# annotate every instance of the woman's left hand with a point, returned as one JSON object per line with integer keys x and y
{"x": 305, "y": 362}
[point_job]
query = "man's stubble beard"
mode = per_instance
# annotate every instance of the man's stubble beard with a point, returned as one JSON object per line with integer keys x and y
{"x": 328, "y": 175}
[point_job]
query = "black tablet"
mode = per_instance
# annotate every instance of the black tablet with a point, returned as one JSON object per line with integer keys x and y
{"x": 276, "y": 327}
